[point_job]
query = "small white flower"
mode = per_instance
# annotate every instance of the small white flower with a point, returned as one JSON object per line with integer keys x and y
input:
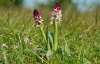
{"x": 26, "y": 39}
{"x": 15, "y": 46}
{"x": 4, "y": 45}
{"x": 30, "y": 43}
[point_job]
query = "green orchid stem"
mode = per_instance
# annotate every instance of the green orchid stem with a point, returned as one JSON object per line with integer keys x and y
{"x": 43, "y": 34}
{"x": 48, "y": 45}
{"x": 55, "y": 36}
{"x": 5, "y": 56}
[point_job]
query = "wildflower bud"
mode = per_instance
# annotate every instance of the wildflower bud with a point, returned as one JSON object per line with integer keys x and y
{"x": 37, "y": 17}
{"x": 15, "y": 46}
{"x": 5, "y": 45}
{"x": 56, "y": 14}
{"x": 26, "y": 39}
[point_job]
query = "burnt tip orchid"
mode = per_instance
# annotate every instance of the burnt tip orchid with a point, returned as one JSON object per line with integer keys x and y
{"x": 37, "y": 17}
{"x": 56, "y": 14}
{"x": 57, "y": 6}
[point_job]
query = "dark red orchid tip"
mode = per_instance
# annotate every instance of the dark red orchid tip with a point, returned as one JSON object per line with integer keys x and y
{"x": 36, "y": 14}
{"x": 37, "y": 17}
{"x": 57, "y": 6}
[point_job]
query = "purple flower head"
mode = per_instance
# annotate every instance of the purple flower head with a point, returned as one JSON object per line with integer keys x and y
{"x": 57, "y": 8}
{"x": 56, "y": 14}
{"x": 37, "y": 17}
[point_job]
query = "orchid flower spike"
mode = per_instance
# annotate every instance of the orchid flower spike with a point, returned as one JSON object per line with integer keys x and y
{"x": 56, "y": 14}
{"x": 37, "y": 17}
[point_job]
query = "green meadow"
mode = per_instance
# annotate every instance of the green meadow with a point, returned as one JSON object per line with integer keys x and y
{"x": 78, "y": 33}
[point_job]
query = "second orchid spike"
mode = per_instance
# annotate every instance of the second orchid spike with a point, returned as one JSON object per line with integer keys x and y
{"x": 56, "y": 14}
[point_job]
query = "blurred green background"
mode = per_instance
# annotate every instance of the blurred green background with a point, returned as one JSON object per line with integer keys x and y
{"x": 9, "y": 2}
